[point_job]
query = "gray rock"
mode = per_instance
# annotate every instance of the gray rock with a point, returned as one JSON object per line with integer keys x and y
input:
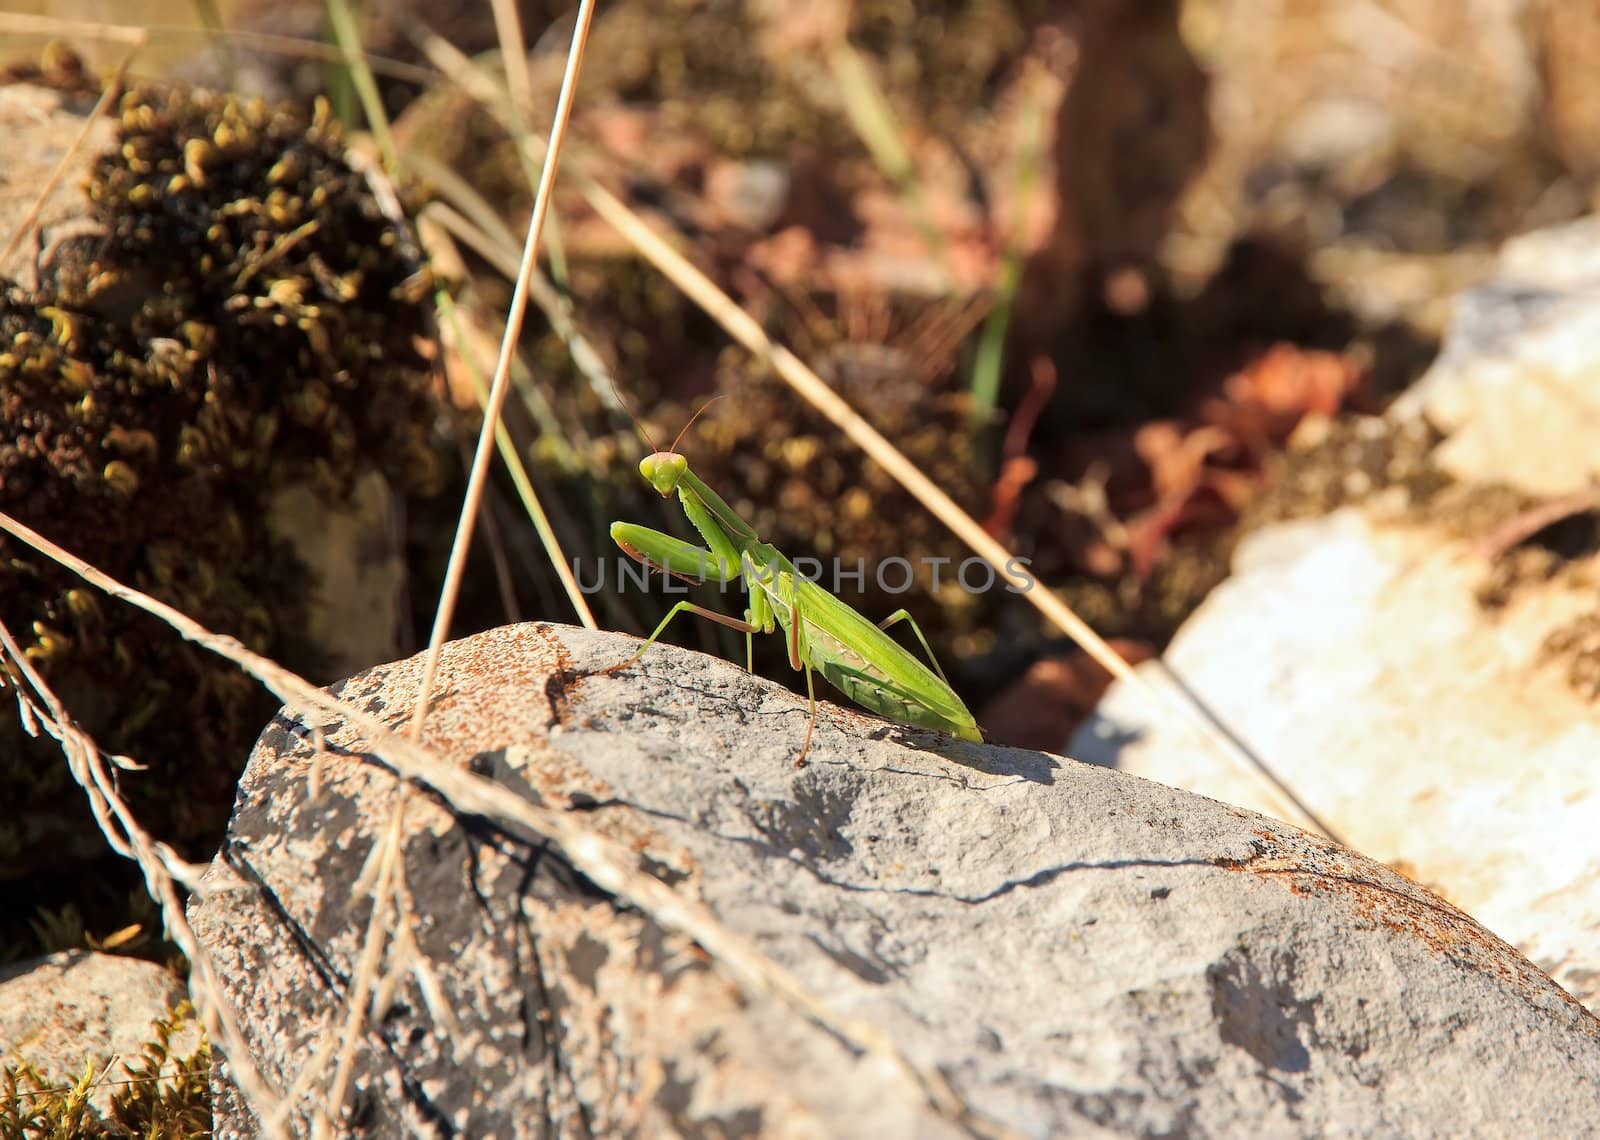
{"x": 77, "y": 1008}
{"x": 1079, "y": 952}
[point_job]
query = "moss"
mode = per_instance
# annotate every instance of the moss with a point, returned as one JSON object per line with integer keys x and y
{"x": 1332, "y": 464}
{"x": 176, "y": 1105}
{"x": 245, "y": 318}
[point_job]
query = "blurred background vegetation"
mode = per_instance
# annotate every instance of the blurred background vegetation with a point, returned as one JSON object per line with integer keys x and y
{"x": 1101, "y": 268}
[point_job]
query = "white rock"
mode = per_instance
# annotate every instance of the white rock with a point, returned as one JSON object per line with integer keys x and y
{"x": 1355, "y": 660}
{"x": 356, "y": 605}
{"x": 1517, "y": 386}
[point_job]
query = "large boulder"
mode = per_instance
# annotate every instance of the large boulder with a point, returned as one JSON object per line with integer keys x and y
{"x": 1077, "y": 951}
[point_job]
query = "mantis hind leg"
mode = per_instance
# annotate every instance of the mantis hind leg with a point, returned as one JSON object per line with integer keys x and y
{"x": 710, "y": 615}
{"x": 811, "y": 725}
{"x": 800, "y": 659}
{"x": 902, "y": 615}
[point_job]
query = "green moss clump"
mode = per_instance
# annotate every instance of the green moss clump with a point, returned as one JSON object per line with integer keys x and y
{"x": 1348, "y": 461}
{"x": 245, "y": 318}
{"x": 162, "y": 1095}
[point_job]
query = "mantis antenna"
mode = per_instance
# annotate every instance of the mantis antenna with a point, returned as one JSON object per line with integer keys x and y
{"x": 638, "y": 425}
{"x": 674, "y": 449}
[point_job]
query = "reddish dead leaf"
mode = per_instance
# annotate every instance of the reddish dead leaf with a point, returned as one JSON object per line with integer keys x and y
{"x": 1178, "y": 473}
{"x": 1016, "y": 473}
{"x": 1202, "y": 476}
{"x": 1262, "y": 403}
{"x": 1017, "y": 470}
{"x": 1042, "y": 385}
{"x": 1177, "y": 458}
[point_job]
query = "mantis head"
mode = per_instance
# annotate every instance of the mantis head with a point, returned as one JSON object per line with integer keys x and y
{"x": 662, "y": 470}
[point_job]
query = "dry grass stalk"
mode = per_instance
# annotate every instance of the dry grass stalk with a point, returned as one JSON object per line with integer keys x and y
{"x": 23, "y": 23}
{"x": 514, "y": 55}
{"x": 107, "y": 97}
{"x": 500, "y": 386}
{"x": 487, "y": 243}
{"x": 27, "y": 24}
{"x": 160, "y": 865}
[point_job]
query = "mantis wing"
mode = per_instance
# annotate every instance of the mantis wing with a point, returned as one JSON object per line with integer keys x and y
{"x": 855, "y": 656}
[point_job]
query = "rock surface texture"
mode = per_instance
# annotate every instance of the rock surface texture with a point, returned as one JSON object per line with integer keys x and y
{"x": 1357, "y": 656}
{"x": 1079, "y": 952}
{"x": 63, "y": 1011}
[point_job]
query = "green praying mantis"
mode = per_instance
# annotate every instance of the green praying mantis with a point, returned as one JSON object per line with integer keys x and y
{"x": 824, "y": 635}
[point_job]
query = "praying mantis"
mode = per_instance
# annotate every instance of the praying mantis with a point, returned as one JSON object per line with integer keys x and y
{"x": 824, "y": 634}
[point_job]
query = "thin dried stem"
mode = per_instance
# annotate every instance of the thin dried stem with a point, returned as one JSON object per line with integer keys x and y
{"x": 513, "y": 117}
{"x": 524, "y": 485}
{"x": 514, "y": 56}
{"x": 23, "y": 23}
{"x": 343, "y": 22}
{"x": 26, "y": 24}
{"x": 156, "y": 861}
{"x": 107, "y": 97}
{"x": 610, "y": 865}
{"x": 298, "y": 48}
{"x": 586, "y": 358}
{"x": 501, "y": 385}
{"x": 504, "y": 576}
